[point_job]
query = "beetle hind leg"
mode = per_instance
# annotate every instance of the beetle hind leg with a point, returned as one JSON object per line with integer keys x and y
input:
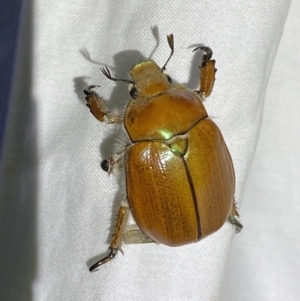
{"x": 238, "y": 226}
{"x": 110, "y": 256}
{"x": 233, "y": 220}
{"x": 134, "y": 235}
{"x": 117, "y": 239}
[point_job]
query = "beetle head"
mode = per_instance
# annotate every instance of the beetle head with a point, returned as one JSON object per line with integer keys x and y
{"x": 148, "y": 79}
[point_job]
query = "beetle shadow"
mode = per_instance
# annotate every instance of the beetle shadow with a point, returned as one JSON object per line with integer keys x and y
{"x": 123, "y": 62}
{"x": 117, "y": 140}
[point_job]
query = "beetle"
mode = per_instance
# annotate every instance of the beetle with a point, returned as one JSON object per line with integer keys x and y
{"x": 180, "y": 179}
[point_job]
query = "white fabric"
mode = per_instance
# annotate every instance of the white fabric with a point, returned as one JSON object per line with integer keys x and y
{"x": 264, "y": 261}
{"x": 58, "y": 205}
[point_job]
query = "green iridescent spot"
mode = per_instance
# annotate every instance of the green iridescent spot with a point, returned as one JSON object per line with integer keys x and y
{"x": 166, "y": 134}
{"x": 179, "y": 147}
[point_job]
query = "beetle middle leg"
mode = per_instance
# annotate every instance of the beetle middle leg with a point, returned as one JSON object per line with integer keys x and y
{"x": 114, "y": 162}
{"x": 232, "y": 218}
{"x": 207, "y": 72}
{"x": 118, "y": 236}
{"x": 98, "y": 107}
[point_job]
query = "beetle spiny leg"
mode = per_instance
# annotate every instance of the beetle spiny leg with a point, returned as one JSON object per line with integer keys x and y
{"x": 105, "y": 165}
{"x": 107, "y": 73}
{"x": 98, "y": 107}
{"x": 236, "y": 223}
{"x": 171, "y": 45}
{"x": 113, "y": 163}
{"x": 207, "y": 72}
{"x": 117, "y": 237}
{"x": 107, "y": 258}
{"x": 207, "y": 53}
{"x": 89, "y": 90}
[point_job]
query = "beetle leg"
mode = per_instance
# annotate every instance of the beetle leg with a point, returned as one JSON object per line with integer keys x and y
{"x": 117, "y": 238}
{"x": 233, "y": 220}
{"x": 207, "y": 72}
{"x": 98, "y": 107}
{"x": 238, "y": 226}
{"x": 134, "y": 235}
{"x": 115, "y": 162}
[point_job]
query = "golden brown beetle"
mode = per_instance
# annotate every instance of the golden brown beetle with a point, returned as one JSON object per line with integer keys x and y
{"x": 179, "y": 174}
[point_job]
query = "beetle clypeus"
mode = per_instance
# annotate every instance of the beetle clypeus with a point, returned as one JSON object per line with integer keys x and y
{"x": 180, "y": 178}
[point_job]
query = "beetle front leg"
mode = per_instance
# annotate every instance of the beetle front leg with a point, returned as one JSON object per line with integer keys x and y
{"x": 117, "y": 238}
{"x": 207, "y": 72}
{"x": 98, "y": 107}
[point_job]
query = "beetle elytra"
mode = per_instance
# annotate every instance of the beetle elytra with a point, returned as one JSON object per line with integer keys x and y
{"x": 180, "y": 179}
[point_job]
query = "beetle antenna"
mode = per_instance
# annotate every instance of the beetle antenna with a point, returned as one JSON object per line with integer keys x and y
{"x": 107, "y": 73}
{"x": 170, "y": 38}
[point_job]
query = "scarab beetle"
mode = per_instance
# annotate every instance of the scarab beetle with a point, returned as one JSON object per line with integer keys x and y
{"x": 180, "y": 178}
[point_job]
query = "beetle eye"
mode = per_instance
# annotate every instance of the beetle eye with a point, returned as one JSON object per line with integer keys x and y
{"x": 169, "y": 78}
{"x": 133, "y": 92}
